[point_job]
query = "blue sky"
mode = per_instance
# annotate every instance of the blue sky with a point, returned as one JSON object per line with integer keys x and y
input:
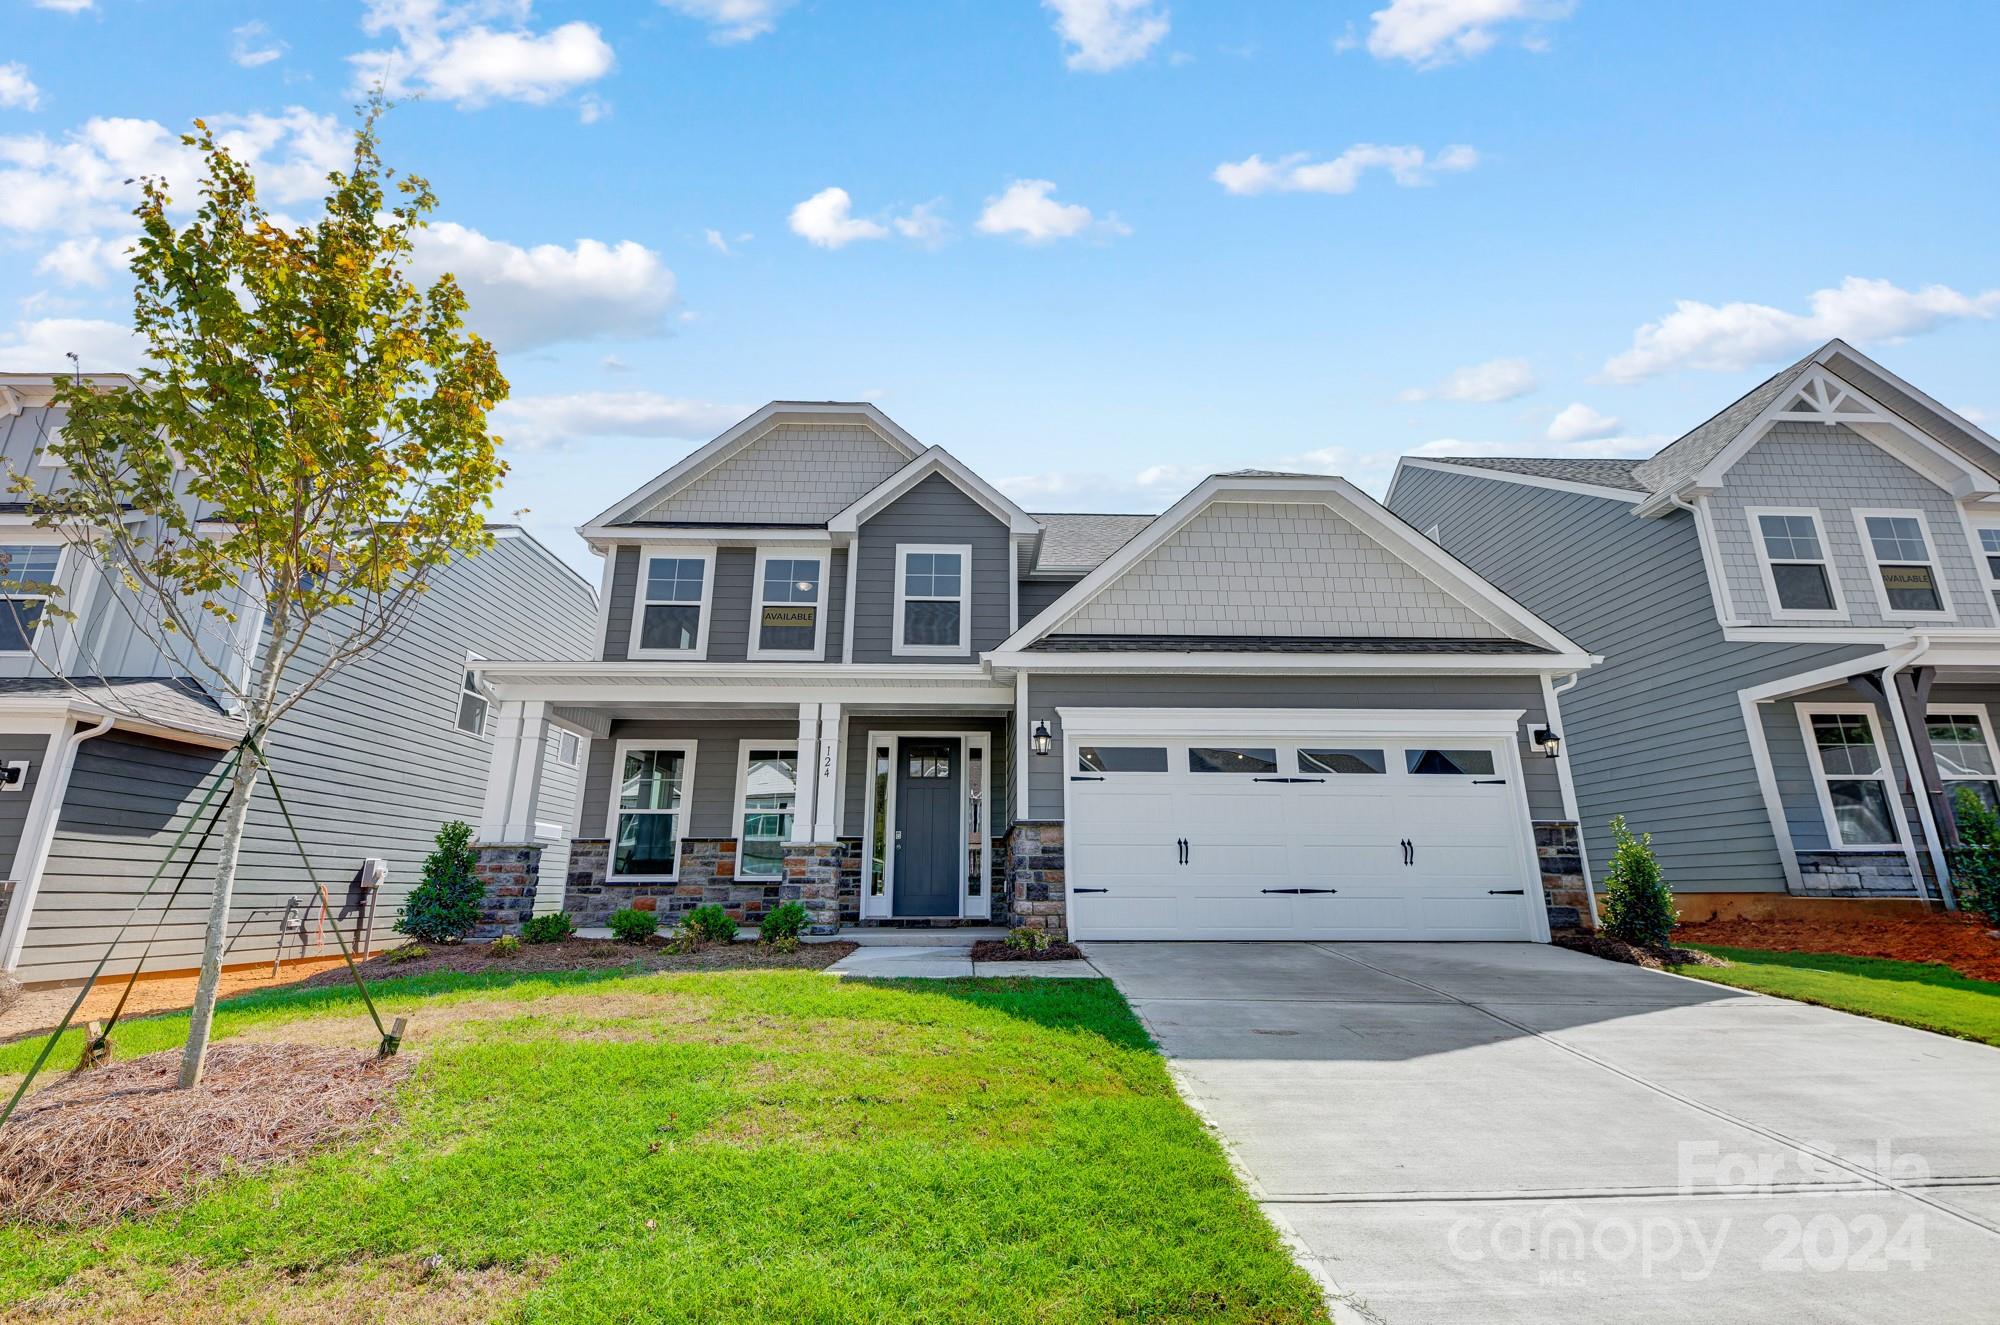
{"x": 1096, "y": 248}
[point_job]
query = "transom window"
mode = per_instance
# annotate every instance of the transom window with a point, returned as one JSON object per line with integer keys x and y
{"x": 790, "y": 595}
{"x": 1963, "y": 751}
{"x": 673, "y": 605}
{"x": 1449, "y": 763}
{"x": 1218, "y": 759}
{"x": 27, "y": 575}
{"x": 1342, "y": 761}
{"x": 768, "y": 782}
{"x": 646, "y": 815}
{"x": 1794, "y": 556}
{"x": 1906, "y": 574}
{"x": 1855, "y": 793}
{"x": 1121, "y": 759}
{"x": 471, "y": 702}
{"x": 931, "y": 599}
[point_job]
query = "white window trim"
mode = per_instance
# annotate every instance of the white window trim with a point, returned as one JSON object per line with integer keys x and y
{"x": 1979, "y": 553}
{"x": 816, "y": 652}
{"x": 705, "y": 555}
{"x": 1942, "y": 709}
{"x": 459, "y": 692}
{"x": 1886, "y": 776}
{"x": 1945, "y": 612}
{"x": 899, "y": 649}
{"x": 32, "y": 537}
{"x": 1765, "y": 566}
{"x": 743, "y": 750}
{"x": 618, "y": 753}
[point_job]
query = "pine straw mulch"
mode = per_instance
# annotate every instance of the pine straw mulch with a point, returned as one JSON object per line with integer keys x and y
{"x": 121, "y": 1139}
{"x": 996, "y": 950}
{"x": 1965, "y": 943}
{"x": 585, "y": 955}
{"x": 1599, "y": 944}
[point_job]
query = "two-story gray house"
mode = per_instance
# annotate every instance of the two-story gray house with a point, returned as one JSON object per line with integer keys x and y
{"x": 1795, "y": 604}
{"x": 106, "y": 748}
{"x": 836, "y": 665}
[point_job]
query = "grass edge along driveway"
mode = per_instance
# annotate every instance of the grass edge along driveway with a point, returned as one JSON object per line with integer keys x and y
{"x": 731, "y": 1147}
{"x": 1920, "y": 994}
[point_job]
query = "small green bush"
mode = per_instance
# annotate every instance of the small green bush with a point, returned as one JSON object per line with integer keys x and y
{"x": 507, "y": 945}
{"x": 1975, "y": 864}
{"x": 1023, "y": 939}
{"x": 782, "y": 925}
{"x": 710, "y": 924}
{"x": 409, "y": 952}
{"x": 444, "y": 908}
{"x": 633, "y": 926}
{"x": 1638, "y": 905}
{"x": 548, "y": 929}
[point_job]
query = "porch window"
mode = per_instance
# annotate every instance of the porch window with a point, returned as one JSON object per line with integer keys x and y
{"x": 647, "y": 815}
{"x": 1853, "y": 778}
{"x": 1962, "y": 746}
{"x": 673, "y": 606}
{"x": 1795, "y": 564}
{"x": 790, "y": 594}
{"x": 27, "y": 575}
{"x": 768, "y": 786}
{"x": 931, "y": 585}
{"x": 1906, "y": 574}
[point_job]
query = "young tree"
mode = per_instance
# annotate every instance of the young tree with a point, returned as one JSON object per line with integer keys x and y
{"x": 306, "y": 444}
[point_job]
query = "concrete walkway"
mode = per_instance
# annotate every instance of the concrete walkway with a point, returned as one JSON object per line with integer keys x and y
{"x": 946, "y": 961}
{"x": 1517, "y": 1133}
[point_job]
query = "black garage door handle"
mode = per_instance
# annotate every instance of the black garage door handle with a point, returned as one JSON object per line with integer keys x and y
{"x": 1489, "y": 782}
{"x": 1506, "y": 892}
{"x": 1085, "y": 777}
{"x": 1090, "y": 890}
{"x": 1301, "y": 890}
{"x": 1288, "y": 779}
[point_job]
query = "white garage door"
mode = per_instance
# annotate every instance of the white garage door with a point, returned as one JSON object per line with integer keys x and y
{"x": 1368, "y": 833}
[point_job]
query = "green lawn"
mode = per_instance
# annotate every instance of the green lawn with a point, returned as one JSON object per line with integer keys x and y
{"x": 768, "y": 1146}
{"x": 1934, "y": 998}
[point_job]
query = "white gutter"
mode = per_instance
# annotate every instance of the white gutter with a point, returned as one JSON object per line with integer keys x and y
{"x": 1554, "y": 716}
{"x": 1933, "y": 844}
{"x": 39, "y": 834}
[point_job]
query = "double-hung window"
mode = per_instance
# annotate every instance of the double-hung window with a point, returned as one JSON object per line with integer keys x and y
{"x": 648, "y": 809}
{"x": 1791, "y": 549}
{"x": 472, "y": 702}
{"x": 931, "y": 598}
{"x": 1989, "y": 558}
{"x": 789, "y": 621}
{"x": 1963, "y": 750}
{"x": 767, "y": 785}
{"x": 670, "y": 619}
{"x": 1851, "y": 774}
{"x": 1907, "y": 582}
{"x": 27, "y": 575}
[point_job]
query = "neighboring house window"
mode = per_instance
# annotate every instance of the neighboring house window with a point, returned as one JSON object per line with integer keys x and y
{"x": 931, "y": 585}
{"x": 672, "y": 616}
{"x": 1852, "y": 777}
{"x": 1791, "y": 549}
{"x": 27, "y": 572}
{"x": 472, "y": 702}
{"x": 568, "y": 746}
{"x": 1989, "y": 552}
{"x": 791, "y": 606}
{"x": 1906, "y": 576}
{"x": 1962, "y": 747}
{"x": 767, "y": 785}
{"x": 647, "y": 815}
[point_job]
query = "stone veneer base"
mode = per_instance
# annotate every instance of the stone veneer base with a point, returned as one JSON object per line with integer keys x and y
{"x": 825, "y": 877}
{"x": 1855, "y": 874}
{"x": 510, "y": 872}
{"x": 1036, "y": 893}
{"x": 1565, "y": 890}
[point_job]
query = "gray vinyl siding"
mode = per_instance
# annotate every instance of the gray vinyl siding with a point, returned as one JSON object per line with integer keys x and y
{"x": 1654, "y": 732}
{"x": 934, "y": 511}
{"x": 1049, "y": 692}
{"x": 731, "y": 603}
{"x": 371, "y": 763}
{"x": 14, "y": 810}
{"x": 1038, "y": 594}
{"x": 618, "y": 611}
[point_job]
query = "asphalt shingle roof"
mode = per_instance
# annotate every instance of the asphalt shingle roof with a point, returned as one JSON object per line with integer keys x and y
{"x": 1600, "y": 473}
{"x": 167, "y": 701}
{"x": 1072, "y": 541}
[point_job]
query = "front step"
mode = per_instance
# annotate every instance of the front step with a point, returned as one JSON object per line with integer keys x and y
{"x": 884, "y": 936}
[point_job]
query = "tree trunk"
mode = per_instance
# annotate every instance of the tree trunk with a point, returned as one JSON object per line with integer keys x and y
{"x": 233, "y": 821}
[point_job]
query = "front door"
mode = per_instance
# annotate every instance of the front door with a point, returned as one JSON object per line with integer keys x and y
{"x": 929, "y": 867}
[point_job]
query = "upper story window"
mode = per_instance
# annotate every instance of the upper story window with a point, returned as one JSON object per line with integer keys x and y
{"x": 931, "y": 597}
{"x": 670, "y": 619}
{"x": 790, "y": 617}
{"x": 1906, "y": 574}
{"x": 27, "y": 572}
{"x": 472, "y": 703}
{"x": 1791, "y": 550}
{"x": 1989, "y": 558}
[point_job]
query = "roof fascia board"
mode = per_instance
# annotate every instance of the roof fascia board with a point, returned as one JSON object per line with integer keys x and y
{"x": 936, "y": 460}
{"x": 1630, "y": 496}
{"x": 600, "y": 535}
{"x": 1295, "y": 664}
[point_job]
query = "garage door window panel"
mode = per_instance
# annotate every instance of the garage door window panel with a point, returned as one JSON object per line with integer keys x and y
{"x": 1432, "y": 762}
{"x": 1342, "y": 762}
{"x": 1121, "y": 759}
{"x": 1232, "y": 759}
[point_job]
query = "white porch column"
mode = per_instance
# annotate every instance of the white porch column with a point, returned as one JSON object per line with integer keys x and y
{"x": 806, "y": 800}
{"x": 826, "y": 794}
{"x": 514, "y": 779}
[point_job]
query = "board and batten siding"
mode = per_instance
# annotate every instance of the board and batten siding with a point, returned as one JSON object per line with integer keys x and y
{"x": 1655, "y": 731}
{"x": 371, "y": 764}
{"x": 935, "y": 511}
{"x": 732, "y": 603}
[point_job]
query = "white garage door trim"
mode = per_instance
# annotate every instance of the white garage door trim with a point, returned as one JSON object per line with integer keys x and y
{"x": 1498, "y": 728}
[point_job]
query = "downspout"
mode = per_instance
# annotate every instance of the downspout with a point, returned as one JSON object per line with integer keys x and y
{"x": 1933, "y": 844}
{"x": 1582, "y": 850}
{"x": 29, "y": 882}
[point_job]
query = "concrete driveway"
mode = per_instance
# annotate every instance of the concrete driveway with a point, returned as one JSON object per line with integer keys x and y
{"x": 1462, "y": 1133}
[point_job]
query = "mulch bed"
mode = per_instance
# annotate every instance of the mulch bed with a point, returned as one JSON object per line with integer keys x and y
{"x": 1964, "y": 943}
{"x": 1617, "y": 950}
{"x": 121, "y": 1139}
{"x": 996, "y": 950}
{"x": 587, "y": 955}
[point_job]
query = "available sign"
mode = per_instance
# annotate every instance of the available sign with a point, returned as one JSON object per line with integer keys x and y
{"x": 1917, "y": 578}
{"x": 781, "y": 617}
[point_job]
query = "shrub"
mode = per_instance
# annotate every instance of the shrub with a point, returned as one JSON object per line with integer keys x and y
{"x": 1023, "y": 939}
{"x": 409, "y": 952}
{"x": 548, "y": 929}
{"x": 633, "y": 926}
{"x": 782, "y": 926}
{"x": 1638, "y": 905}
{"x": 1975, "y": 864}
{"x": 710, "y": 924}
{"x": 445, "y": 906}
{"x": 507, "y": 945}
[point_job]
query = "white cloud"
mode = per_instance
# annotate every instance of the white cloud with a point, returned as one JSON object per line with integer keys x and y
{"x": 450, "y": 51}
{"x": 732, "y": 21}
{"x": 537, "y": 421}
{"x": 17, "y": 90}
{"x": 1429, "y": 33}
{"x": 1027, "y": 210}
{"x": 1612, "y": 448}
{"x": 1482, "y": 383}
{"x": 590, "y": 108}
{"x": 520, "y": 298}
{"x": 1731, "y": 337}
{"x": 64, "y": 6}
{"x": 1108, "y": 34}
{"x": 88, "y": 259}
{"x": 924, "y": 224}
{"x": 252, "y": 45}
{"x": 1580, "y": 423}
{"x": 716, "y": 241}
{"x": 1409, "y": 167}
{"x": 827, "y": 219}
{"x": 43, "y": 346}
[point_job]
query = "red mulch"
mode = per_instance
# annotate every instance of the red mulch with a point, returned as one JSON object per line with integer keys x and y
{"x": 996, "y": 950}
{"x": 1964, "y": 943}
{"x": 585, "y": 955}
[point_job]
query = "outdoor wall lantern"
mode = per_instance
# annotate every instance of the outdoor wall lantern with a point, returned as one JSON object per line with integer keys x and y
{"x": 1040, "y": 736}
{"x": 1548, "y": 740}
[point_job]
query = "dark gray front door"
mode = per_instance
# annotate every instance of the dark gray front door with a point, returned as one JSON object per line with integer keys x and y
{"x": 928, "y": 868}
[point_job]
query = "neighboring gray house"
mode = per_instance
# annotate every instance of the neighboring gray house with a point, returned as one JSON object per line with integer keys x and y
{"x": 112, "y": 760}
{"x": 836, "y": 665}
{"x": 1795, "y": 603}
